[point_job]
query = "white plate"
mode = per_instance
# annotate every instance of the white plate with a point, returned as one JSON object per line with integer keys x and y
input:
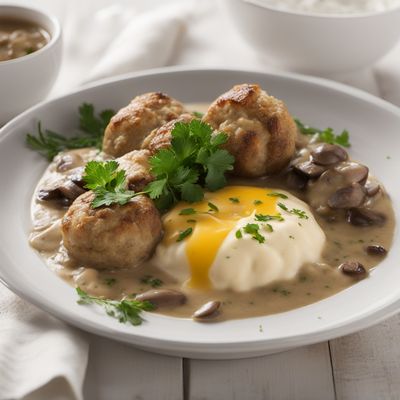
{"x": 375, "y": 134}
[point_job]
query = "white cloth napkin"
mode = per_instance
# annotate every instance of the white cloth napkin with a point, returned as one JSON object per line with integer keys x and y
{"x": 119, "y": 39}
{"x": 36, "y": 350}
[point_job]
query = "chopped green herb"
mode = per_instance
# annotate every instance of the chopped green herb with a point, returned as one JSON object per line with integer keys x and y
{"x": 49, "y": 143}
{"x": 187, "y": 211}
{"x": 269, "y": 228}
{"x": 29, "y": 50}
{"x": 300, "y": 213}
{"x": 238, "y": 234}
{"x": 107, "y": 182}
{"x": 213, "y": 207}
{"x": 276, "y": 194}
{"x": 191, "y": 220}
{"x": 283, "y": 206}
{"x": 184, "y": 234}
{"x": 153, "y": 282}
{"x": 124, "y": 310}
{"x": 327, "y": 135}
{"x": 110, "y": 281}
{"x": 253, "y": 230}
{"x": 291, "y": 237}
{"x": 257, "y": 202}
{"x": 234, "y": 199}
{"x": 193, "y": 162}
{"x": 198, "y": 114}
{"x": 266, "y": 217}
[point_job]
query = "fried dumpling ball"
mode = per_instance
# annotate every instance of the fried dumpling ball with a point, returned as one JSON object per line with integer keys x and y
{"x": 111, "y": 237}
{"x": 261, "y": 132}
{"x": 130, "y": 126}
{"x": 160, "y": 138}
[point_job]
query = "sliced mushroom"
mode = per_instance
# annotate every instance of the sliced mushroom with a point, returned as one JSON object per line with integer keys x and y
{"x": 348, "y": 197}
{"x": 353, "y": 172}
{"x": 309, "y": 169}
{"x": 365, "y": 217}
{"x": 207, "y": 310}
{"x": 162, "y": 297}
{"x": 70, "y": 190}
{"x": 354, "y": 269}
{"x": 68, "y": 161}
{"x": 67, "y": 190}
{"x": 328, "y": 154}
{"x": 49, "y": 194}
{"x": 376, "y": 250}
{"x": 77, "y": 176}
{"x": 373, "y": 188}
{"x": 296, "y": 181}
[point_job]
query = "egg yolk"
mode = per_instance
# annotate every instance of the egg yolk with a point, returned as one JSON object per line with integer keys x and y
{"x": 211, "y": 220}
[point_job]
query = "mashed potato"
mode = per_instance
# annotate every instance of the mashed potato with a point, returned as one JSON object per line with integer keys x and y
{"x": 254, "y": 237}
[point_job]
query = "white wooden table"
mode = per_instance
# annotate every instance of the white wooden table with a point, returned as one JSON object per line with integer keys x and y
{"x": 362, "y": 366}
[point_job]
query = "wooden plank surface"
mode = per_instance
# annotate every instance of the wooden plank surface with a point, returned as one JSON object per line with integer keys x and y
{"x": 120, "y": 372}
{"x": 366, "y": 365}
{"x": 299, "y": 374}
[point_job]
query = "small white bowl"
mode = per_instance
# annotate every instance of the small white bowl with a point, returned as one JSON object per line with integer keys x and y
{"x": 315, "y": 43}
{"x": 26, "y": 80}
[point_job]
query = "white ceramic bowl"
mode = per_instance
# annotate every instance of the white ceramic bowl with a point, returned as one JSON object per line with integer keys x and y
{"x": 315, "y": 43}
{"x": 26, "y": 80}
{"x": 374, "y": 133}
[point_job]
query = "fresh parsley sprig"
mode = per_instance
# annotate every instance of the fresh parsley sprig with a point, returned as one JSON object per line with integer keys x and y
{"x": 49, "y": 143}
{"x": 194, "y": 162}
{"x": 253, "y": 230}
{"x": 107, "y": 182}
{"x": 327, "y": 135}
{"x": 124, "y": 310}
{"x": 295, "y": 211}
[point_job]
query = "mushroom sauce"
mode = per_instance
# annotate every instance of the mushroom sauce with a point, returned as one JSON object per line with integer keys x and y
{"x": 357, "y": 236}
{"x": 19, "y": 38}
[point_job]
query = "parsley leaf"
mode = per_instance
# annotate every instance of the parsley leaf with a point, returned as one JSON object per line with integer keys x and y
{"x": 300, "y": 213}
{"x": 253, "y": 230}
{"x": 198, "y": 114}
{"x": 266, "y": 217}
{"x": 213, "y": 207}
{"x": 276, "y": 194}
{"x": 234, "y": 200}
{"x": 194, "y": 162}
{"x": 187, "y": 211}
{"x": 49, "y": 143}
{"x": 238, "y": 234}
{"x": 153, "y": 282}
{"x": 124, "y": 310}
{"x": 327, "y": 135}
{"x": 107, "y": 182}
{"x": 184, "y": 234}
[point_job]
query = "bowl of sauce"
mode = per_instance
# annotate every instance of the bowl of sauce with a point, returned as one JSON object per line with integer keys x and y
{"x": 30, "y": 57}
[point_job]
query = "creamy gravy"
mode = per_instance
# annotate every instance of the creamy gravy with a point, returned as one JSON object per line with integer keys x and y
{"x": 314, "y": 282}
{"x": 19, "y": 38}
